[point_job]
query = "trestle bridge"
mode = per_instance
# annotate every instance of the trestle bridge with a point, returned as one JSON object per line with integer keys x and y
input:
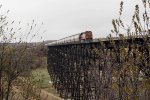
{"x": 102, "y": 69}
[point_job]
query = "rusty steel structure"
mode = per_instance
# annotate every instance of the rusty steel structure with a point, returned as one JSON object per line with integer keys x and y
{"x": 102, "y": 69}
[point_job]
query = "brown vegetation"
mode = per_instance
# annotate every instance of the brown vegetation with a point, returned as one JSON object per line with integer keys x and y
{"x": 17, "y": 58}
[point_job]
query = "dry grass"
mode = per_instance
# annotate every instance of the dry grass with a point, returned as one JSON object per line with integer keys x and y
{"x": 41, "y": 78}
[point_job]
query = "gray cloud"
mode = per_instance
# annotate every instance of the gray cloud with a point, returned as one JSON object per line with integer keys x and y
{"x": 67, "y": 17}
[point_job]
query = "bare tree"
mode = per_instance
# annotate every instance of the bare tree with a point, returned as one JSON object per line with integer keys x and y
{"x": 134, "y": 58}
{"x": 15, "y": 54}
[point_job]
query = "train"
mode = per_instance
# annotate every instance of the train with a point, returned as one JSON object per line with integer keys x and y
{"x": 76, "y": 38}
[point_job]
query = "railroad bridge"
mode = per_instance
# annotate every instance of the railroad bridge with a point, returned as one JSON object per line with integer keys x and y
{"x": 102, "y": 69}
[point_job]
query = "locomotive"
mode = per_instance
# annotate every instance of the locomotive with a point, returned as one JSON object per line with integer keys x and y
{"x": 86, "y": 36}
{"x": 77, "y": 38}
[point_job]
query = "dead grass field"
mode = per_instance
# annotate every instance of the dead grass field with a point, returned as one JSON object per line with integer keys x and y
{"x": 41, "y": 78}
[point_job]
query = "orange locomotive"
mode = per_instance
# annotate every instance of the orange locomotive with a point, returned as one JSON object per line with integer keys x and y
{"x": 86, "y": 36}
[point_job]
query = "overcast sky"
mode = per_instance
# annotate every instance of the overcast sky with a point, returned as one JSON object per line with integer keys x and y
{"x": 62, "y": 18}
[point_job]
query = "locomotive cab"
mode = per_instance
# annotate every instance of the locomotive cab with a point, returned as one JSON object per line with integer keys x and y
{"x": 86, "y": 36}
